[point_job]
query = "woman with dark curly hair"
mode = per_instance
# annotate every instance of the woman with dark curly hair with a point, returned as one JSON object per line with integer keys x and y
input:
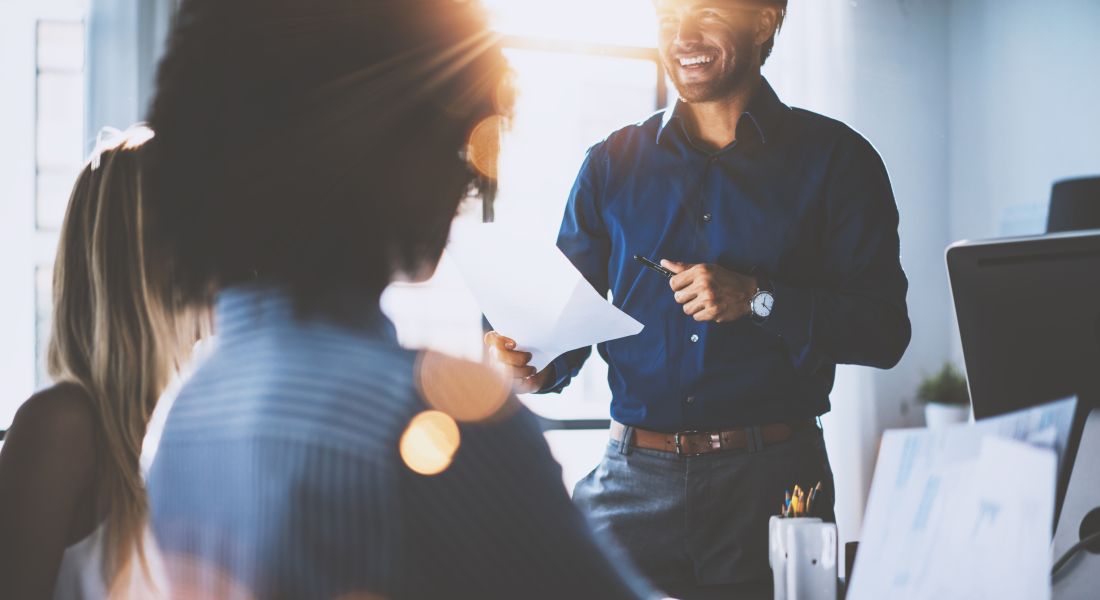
{"x": 307, "y": 154}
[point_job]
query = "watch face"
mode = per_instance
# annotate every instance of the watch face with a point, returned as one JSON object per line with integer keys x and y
{"x": 762, "y": 304}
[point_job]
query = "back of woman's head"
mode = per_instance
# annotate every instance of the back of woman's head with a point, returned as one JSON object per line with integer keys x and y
{"x": 318, "y": 145}
{"x": 113, "y": 333}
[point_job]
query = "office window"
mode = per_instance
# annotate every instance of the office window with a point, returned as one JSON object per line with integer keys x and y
{"x": 617, "y": 22}
{"x": 576, "y": 83}
{"x": 565, "y": 103}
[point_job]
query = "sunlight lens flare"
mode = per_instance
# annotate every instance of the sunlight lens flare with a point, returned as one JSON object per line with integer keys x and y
{"x": 468, "y": 392}
{"x": 429, "y": 443}
{"x": 623, "y": 22}
{"x": 483, "y": 149}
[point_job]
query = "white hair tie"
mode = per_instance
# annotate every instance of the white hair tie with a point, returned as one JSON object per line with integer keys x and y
{"x": 110, "y": 138}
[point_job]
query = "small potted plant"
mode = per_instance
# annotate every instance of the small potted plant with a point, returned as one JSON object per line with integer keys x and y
{"x": 945, "y": 397}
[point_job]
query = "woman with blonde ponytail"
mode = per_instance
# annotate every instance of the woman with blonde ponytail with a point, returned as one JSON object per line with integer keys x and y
{"x": 73, "y": 507}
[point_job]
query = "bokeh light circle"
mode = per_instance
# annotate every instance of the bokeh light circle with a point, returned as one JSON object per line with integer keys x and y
{"x": 429, "y": 443}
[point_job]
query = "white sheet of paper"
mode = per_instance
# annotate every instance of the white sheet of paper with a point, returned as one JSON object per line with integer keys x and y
{"x": 1047, "y": 425}
{"x": 531, "y": 293}
{"x": 1003, "y": 522}
{"x": 927, "y": 532}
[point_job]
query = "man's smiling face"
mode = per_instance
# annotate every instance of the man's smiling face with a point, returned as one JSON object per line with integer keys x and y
{"x": 707, "y": 46}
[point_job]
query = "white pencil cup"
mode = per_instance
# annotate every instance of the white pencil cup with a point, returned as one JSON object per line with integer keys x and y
{"x": 802, "y": 553}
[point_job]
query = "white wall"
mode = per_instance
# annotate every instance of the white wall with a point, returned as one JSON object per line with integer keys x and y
{"x": 1025, "y": 109}
{"x": 881, "y": 67}
{"x": 977, "y": 106}
{"x": 1024, "y": 112}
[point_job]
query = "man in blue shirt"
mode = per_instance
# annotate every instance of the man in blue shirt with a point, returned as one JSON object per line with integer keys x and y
{"x": 780, "y": 229}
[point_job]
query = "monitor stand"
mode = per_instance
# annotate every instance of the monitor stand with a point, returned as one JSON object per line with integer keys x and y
{"x": 1080, "y": 577}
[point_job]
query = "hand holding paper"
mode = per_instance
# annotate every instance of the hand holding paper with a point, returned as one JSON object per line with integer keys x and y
{"x": 531, "y": 293}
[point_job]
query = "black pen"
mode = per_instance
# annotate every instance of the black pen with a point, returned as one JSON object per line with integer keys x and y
{"x": 652, "y": 265}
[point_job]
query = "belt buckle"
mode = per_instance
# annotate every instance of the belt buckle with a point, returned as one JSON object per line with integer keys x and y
{"x": 679, "y": 443}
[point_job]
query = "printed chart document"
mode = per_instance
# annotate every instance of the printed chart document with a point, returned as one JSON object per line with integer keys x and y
{"x": 964, "y": 512}
{"x": 530, "y": 292}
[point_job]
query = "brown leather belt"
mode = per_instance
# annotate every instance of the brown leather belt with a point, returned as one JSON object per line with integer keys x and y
{"x": 694, "y": 443}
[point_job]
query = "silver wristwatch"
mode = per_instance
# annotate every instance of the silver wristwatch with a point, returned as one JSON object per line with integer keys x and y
{"x": 761, "y": 303}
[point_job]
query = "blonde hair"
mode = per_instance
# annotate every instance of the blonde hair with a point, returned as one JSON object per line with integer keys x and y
{"x": 115, "y": 333}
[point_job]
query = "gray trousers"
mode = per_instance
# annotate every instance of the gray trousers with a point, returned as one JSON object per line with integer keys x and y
{"x": 696, "y": 523}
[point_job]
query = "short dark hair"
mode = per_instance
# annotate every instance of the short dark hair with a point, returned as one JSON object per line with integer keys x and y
{"x": 315, "y": 145}
{"x": 766, "y": 49}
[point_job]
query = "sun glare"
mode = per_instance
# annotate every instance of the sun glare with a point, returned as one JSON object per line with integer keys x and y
{"x": 621, "y": 22}
{"x": 430, "y": 442}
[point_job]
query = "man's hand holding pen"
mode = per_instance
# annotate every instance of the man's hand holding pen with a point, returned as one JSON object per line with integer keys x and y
{"x": 709, "y": 292}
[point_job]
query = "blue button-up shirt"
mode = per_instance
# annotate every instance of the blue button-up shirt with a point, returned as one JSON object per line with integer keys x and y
{"x": 800, "y": 201}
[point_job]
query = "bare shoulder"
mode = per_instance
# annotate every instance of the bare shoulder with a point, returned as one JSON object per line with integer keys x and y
{"x": 58, "y": 419}
{"x": 465, "y": 390}
{"x": 47, "y": 486}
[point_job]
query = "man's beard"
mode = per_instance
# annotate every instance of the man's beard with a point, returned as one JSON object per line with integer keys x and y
{"x": 721, "y": 87}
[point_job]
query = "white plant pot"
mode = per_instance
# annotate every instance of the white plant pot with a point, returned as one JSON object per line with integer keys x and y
{"x": 937, "y": 416}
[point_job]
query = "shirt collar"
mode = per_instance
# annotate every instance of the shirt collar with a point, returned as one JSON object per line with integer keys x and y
{"x": 244, "y": 309}
{"x": 765, "y": 112}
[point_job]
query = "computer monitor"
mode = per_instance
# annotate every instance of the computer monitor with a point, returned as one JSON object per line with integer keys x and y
{"x": 1029, "y": 317}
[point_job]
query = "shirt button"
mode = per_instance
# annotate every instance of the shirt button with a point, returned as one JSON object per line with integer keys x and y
{"x": 694, "y": 338}
{"x": 706, "y": 217}
{"x": 689, "y": 399}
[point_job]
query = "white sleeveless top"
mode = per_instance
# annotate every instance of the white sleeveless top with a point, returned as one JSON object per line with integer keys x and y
{"x": 80, "y": 576}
